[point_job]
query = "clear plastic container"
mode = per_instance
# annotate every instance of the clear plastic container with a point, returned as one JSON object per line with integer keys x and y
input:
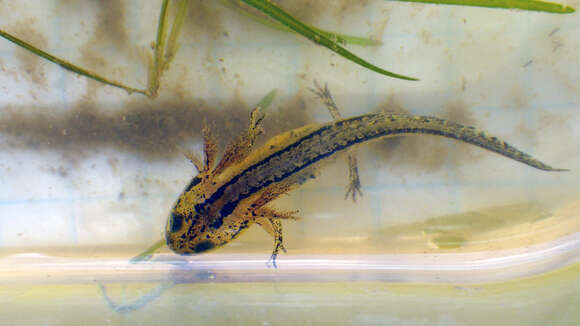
{"x": 444, "y": 234}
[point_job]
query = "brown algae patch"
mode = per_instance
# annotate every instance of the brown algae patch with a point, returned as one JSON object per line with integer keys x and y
{"x": 204, "y": 19}
{"x": 110, "y": 27}
{"x": 155, "y": 131}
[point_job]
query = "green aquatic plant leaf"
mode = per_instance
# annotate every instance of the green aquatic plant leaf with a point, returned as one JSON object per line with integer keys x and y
{"x": 275, "y": 12}
{"x": 148, "y": 253}
{"x": 345, "y": 39}
{"x": 259, "y": 17}
{"x": 267, "y": 100}
{"x": 532, "y": 5}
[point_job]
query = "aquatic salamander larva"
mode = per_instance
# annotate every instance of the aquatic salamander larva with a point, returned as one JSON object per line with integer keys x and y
{"x": 226, "y": 198}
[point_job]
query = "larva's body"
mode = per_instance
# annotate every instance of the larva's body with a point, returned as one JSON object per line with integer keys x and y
{"x": 220, "y": 203}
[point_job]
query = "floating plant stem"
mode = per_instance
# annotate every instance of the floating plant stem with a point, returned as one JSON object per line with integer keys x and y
{"x": 156, "y": 63}
{"x": 164, "y": 50}
{"x": 172, "y": 45}
{"x": 67, "y": 65}
{"x": 532, "y": 5}
{"x": 270, "y": 9}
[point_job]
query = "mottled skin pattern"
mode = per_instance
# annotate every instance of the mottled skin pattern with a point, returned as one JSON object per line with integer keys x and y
{"x": 217, "y": 206}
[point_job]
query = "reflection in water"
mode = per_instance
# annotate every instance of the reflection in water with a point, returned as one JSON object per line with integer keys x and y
{"x": 137, "y": 304}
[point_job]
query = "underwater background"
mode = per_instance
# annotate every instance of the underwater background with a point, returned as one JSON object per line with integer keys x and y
{"x": 444, "y": 234}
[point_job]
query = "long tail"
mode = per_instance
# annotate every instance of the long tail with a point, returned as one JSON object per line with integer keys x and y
{"x": 390, "y": 124}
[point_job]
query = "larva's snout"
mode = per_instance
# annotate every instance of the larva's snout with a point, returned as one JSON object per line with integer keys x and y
{"x": 187, "y": 235}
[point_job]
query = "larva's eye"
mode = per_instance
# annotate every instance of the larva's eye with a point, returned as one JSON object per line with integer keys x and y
{"x": 175, "y": 222}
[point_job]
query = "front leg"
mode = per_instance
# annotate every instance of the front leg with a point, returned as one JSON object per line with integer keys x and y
{"x": 241, "y": 147}
{"x": 354, "y": 181}
{"x": 209, "y": 151}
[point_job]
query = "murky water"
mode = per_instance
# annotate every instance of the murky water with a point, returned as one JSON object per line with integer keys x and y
{"x": 444, "y": 234}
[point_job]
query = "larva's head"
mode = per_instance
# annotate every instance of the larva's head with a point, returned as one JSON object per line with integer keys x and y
{"x": 186, "y": 232}
{"x": 192, "y": 229}
{"x": 189, "y": 234}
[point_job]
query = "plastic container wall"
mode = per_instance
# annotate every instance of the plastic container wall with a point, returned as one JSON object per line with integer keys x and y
{"x": 444, "y": 234}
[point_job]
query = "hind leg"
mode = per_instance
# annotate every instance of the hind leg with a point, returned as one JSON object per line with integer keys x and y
{"x": 354, "y": 181}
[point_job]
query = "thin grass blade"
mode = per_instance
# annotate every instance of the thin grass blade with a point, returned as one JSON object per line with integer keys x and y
{"x": 281, "y": 16}
{"x": 531, "y": 5}
{"x": 67, "y": 65}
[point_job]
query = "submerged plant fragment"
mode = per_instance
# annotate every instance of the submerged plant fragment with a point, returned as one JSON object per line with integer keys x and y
{"x": 531, "y": 5}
